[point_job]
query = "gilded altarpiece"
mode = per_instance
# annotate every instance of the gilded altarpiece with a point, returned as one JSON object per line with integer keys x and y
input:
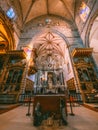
{"x": 84, "y": 70}
{"x": 71, "y": 85}
{"x": 12, "y": 66}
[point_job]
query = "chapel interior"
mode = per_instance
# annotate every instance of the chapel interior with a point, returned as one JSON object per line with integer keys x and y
{"x": 48, "y": 51}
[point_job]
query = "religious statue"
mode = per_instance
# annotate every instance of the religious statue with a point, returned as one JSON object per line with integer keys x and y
{"x": 38, "y": 115}
{"x": 62, "y": 110}
{"x": 50, "y": 84}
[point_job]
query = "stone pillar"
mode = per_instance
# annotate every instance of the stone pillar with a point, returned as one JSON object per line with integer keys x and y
{"x": 23, "y": 82}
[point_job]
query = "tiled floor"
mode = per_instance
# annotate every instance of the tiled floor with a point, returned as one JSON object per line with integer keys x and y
{"x": 16, "y": 119}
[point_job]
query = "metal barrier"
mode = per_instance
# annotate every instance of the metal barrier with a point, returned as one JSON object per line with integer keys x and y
{"x": 24, "y": 98}
{"x": 76, "y": 98}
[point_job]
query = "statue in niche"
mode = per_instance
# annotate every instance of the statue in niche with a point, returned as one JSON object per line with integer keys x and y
{"x": 14, "y": 79}
{"x": 38, "y": 115}
{"x": 50, "y": 84}
{"x": 50, "y": 80}
{"x": 19, "y": 75}
{"x": 83, "y": 75}
{"x": 10, "y": 75}
{"x": 91, "y": 73}
{"x": 80, "y": 75}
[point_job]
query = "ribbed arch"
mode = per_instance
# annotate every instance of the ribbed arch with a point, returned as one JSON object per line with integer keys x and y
{"x": 87, "y": 42}
{"x": 6, "y": 33}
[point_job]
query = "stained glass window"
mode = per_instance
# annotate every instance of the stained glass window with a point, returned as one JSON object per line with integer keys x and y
{"x": 10, "y": 13}
{"x": 84, "y": 11}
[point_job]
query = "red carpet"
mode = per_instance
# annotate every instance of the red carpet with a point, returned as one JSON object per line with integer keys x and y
{"x": 91, "y": 107}
{"x": 7, "y": 107}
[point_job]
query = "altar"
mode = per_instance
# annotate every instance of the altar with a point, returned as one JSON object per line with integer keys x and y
{"x": 47, "y": 107}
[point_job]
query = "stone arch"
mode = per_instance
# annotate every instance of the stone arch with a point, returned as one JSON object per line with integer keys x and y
{"x": 7, "y": 41}
{"x": 37, "y": 26}
{"x": 62, "y": 36}
{"x": 89, "y": 28}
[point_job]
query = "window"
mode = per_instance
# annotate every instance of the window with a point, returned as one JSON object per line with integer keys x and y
{"x": 84, "y": 11}
{"x": 10, "y": 13}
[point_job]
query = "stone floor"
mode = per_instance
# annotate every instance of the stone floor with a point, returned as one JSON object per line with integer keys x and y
{"x": 16, "y": 119}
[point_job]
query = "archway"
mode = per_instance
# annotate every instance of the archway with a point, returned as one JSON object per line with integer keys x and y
{"x": 93, "y": 39}
{"x": 7, "y": 41}
{"x": 52, "y": 57}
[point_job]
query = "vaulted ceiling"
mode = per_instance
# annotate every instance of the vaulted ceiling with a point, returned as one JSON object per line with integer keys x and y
{"x": 50, "y": 47}
{"x": 31, "y": 9}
